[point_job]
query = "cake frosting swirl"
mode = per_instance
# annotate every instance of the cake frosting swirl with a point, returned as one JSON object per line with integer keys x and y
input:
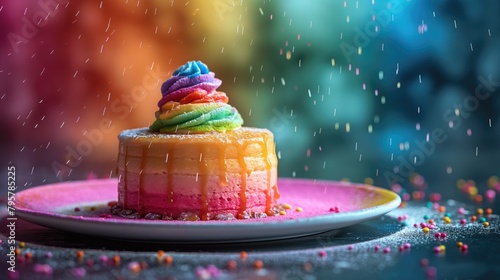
{"x": 191, "y": 103}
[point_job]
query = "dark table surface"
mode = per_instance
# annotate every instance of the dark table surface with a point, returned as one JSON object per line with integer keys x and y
{"x": 347, "y": 253}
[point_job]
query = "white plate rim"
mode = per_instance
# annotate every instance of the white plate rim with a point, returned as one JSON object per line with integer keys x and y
{"x": 196, "y": 232}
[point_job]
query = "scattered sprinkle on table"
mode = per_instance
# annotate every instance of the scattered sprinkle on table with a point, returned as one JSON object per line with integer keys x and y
{"x": 258, "y": 264}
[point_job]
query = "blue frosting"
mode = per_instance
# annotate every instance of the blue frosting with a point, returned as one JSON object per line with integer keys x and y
{"x": 192, "y": 69}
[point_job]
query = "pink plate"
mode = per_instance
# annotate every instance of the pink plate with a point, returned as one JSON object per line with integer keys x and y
{"x": 78, "y": 206}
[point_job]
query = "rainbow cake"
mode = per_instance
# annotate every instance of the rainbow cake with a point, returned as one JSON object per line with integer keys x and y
{"x": 196, "y": 161}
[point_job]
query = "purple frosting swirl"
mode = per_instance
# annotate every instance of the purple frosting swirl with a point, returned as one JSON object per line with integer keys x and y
{"x": 186, "y": 79}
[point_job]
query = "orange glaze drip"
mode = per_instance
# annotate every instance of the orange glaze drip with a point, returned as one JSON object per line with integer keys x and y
{"x": 276, "y": 192}
{"x": 141, "y": 193}
{"x": 222, "y": 166}
{"x": 268, "y": 168}
{"x": 125, "y": 188}
{"x": 243, "y": 186}
{"x": 204, "y": 186}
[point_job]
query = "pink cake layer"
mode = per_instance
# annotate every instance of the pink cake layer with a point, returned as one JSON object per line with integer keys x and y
{"x": 221, "y": 203}
{"x": 222, "y": 198}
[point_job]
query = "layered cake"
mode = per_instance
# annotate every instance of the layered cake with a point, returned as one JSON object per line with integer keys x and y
{"x": 196, "y": 161}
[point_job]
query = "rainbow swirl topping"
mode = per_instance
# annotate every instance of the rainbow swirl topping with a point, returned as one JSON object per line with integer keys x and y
{"x": 190, "y": 103}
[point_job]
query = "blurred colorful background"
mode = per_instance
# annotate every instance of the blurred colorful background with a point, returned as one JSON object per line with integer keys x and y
{"x": 402, "y": 94}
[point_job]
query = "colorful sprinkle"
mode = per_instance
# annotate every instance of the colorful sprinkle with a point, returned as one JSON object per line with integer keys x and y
{"x": 243, "y": 255}
{"x": 407, "y": 246}
{"x": 322, "y": 253}
{"x": 461, "y": 211}
{"x": 334, "y": 209}
{"x": 424, "y": 262}
{"x": 426, "y": 217}
{"x": 144, "y": 265}
{"x": 406, "y": 197}
{"x": 463, "y": 221}
{"x": 213, "y": 271}
{"x": 169, "y": 260}
{"x": 486, "y": 224}
{"x": 464, "y": 247}
{"x": 299, "y": 209}
{"x": 489, "y": 211}
{"x": 282, "y": 212}
{"x": 442, "y": 209}
{"x": 202, "y": 273}
{"x": 20, "y": 259}
{"x": 425, "y": 230}
{"x": 376, "y": 247}
{"x": 472, "y": 190}
{"x": 231, "y": 265}
{"x": 431, "y": 272}
{"x": 490, "y": 194}
{"x": 434, "y": 197}
{"x": 43, "y": 269}
{"x": 258, "y": 264}
{"x": 460, "y": 244}
{"x": 473, "y": 218}
{"x": 134, "y": 267}
{"x": 307, "y": 266}
{"x": 287, "y": 206}
{"x": 80, "y": 254}
{"x": 79, "y": 272}
{"x": 447, "y": 220}
{"x": 431, "y": 221}
{"x": 480, "y": 211}
{"x": 387, "y": 250}
{"x": 482, "y": 219}
{"x": 116, "y": 260}
{"x": 22, "y": 244}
